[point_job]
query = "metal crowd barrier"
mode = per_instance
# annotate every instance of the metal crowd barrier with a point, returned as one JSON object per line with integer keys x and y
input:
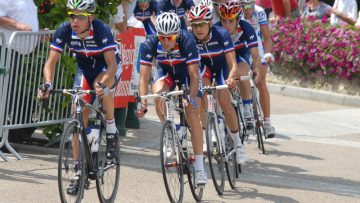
{"x": 20, "y": 77}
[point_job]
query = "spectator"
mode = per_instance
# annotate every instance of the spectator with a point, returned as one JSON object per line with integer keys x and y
{"x": 145, "y": 11}
{"x": 344, "y": 11}
{"x": 301, "y": 4}
{"x": 285, "y": 8}
{"x": 266, "y": 5}
{"x": 358, "y": 22}
{"x": 317, "y": 9}
{"x": 179, "y": 7}
{"x": 20, "y": 15}
{"x": 120, "y": 17}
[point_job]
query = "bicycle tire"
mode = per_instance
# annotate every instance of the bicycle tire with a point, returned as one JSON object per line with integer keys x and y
{"x": 108, "y": 171}
{"x": 230, "y": 165}
{"x": 66, "y": 165}
{"x": 197, "y": 192}
{"x": 259, "y": 129}
{"x": 168, "y": 162}
{"x": 215, "y": 156}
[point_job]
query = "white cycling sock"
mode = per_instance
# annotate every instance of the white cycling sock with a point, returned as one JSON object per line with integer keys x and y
{"x": 236, "y": 138}
{"x": 110, "y": 126}
{"x": 199, "y": 162}
{"x": 267, "y": 121}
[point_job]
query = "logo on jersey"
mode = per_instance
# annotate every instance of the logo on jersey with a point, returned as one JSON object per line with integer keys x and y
{"x": 148, "y": 56}
{"x": 252, "y": 37}
{"x": 75, "y": 43}
{"x": 213, "y": 43}
{"x": 104, "y": 40}
{"x": 226, "y": 43}
{"x": 190, "y": 54}
{"x": 58, "y": 41}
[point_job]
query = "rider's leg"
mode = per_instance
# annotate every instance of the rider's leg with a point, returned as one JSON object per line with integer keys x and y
{"x": 245, "y": 93}
{"x": 265, "y": 102}
{"x": 203, "y": 108}
{"x": 159, "y": 87}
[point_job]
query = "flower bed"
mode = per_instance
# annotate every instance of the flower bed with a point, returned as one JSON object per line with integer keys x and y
{"x": 315, "y": 49}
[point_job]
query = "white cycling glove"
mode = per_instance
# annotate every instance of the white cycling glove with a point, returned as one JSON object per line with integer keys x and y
{"x": 269, "y": 55}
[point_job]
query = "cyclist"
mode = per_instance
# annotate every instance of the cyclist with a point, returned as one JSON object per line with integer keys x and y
{"x": 179, "y": 7}
{"x": 217, "y": 56}
{"x": 99, "y": 66}
{"x": 177, "y": 64}
{"x": 245, "y": 42}
{"x": 256, "y": 16}
{"x": 145, "y": 12}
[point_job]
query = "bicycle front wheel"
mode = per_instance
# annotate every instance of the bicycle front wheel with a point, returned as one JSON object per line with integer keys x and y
{"x": 215, "y": 155}
{"x": 230, "y": 164}
{"x": 108, "y": 171}
{"x": 71, "y": 165}
{"x": 197, "y": 192}
{"x": 259, "y": 126}
{"x": 171, "y": 168}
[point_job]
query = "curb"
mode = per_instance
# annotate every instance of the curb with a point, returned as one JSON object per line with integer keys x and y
{"x": 316, "y": 95}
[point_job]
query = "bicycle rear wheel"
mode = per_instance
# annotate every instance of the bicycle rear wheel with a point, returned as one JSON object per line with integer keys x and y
{"x": 215, "y": 156}
{"x": 259, "y": 127}
{"x": 67, "y": 169}
{"x": 231, "y": 165}
{"x": 171, "y": 169}
{"x": 108, "y": 172}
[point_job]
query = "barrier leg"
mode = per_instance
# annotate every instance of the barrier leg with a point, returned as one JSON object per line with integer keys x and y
{"x": 9, "y": 147}
{"x": 2, "y": 155}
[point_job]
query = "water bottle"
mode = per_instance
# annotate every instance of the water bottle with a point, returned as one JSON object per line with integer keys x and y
{"x": 93, "y": 136}
{"x": 181, "y": 131}
{"x": 221, "y": 125}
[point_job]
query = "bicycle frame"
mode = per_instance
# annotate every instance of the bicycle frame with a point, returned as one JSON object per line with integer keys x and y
{"x": 78, "y": 104}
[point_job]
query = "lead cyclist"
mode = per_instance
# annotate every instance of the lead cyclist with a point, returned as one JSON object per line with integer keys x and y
{"x": 256, "y": 17}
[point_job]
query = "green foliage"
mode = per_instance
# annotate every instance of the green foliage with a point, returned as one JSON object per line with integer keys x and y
{"x": 51, "y": 13}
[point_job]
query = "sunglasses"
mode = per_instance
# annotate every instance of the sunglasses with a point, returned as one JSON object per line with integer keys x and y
{"x": 80, "y": 16}
{"x": 248, "y": 6}
{"x": 199, "y": 24}
{"x": 168, "y": 37}
{"x": 227, "y": 15}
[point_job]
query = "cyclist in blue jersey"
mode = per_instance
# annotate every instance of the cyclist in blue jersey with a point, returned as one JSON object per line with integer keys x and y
{"x": 256, "y": 16}
{"x": 245, "y": 42}
{"x": 179, "y": 7}
{"x": 99, "y": 67}
{"x": 217, "y": 57}
{"x": 145, "y": 11}
{"x": 177, "y": 64}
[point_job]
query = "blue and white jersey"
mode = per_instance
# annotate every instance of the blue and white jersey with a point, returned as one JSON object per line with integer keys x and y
{"x": 89, "y": 51}
{"x": 144, "y": 16}
{"x": 167, "y": 6}
{"x": 213, "y": 51}
{"x": 244, "y": 39}
{"x": 258, "y": 19}
{"x": 174, "y": 62}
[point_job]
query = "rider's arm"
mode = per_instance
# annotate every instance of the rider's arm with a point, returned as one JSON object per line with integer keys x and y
{"x": 110, "y": 72}
{"x": 231, "y": 61}
{"x": 265, "y": 32}
{"x": 50, "y": 65}
{"x": 145, "y": 72}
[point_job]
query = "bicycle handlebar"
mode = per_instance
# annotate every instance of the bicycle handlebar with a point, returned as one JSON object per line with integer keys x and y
{"x": 72, "y": 91}
{"x": 164, "y": 94}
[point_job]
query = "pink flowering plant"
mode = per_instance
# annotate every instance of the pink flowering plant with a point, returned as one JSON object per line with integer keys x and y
{"x": 315, "y": 49}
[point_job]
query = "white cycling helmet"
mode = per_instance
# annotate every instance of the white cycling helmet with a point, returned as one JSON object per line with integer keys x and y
{"x": 247, "y": 1}
{"x": 200, "y": 13}
{"x": 167, "y": 23}
{"x": 82, "y": 5}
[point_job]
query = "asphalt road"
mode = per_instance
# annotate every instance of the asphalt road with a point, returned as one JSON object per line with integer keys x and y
{"x": 314, "y": 158}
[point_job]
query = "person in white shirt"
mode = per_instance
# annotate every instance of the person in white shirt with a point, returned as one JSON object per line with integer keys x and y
{"x": 19, "y": 15}
{"x": 256, "y": 17}
{"x": 344, "y": 11}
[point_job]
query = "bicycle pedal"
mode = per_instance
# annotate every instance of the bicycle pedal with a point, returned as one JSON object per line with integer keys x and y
{"x": 87, "y": 184}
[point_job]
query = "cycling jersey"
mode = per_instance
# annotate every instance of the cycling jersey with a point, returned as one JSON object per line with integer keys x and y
{"x": 167, "y": 6}
{"x": 89, "y": 52}
{"x": 213, "y": 52}
{"x": 245, "y": 39}
{"x": 144, "y": 17}
{"x": 258, "y": 19}
{"x": 172, "y": 65}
